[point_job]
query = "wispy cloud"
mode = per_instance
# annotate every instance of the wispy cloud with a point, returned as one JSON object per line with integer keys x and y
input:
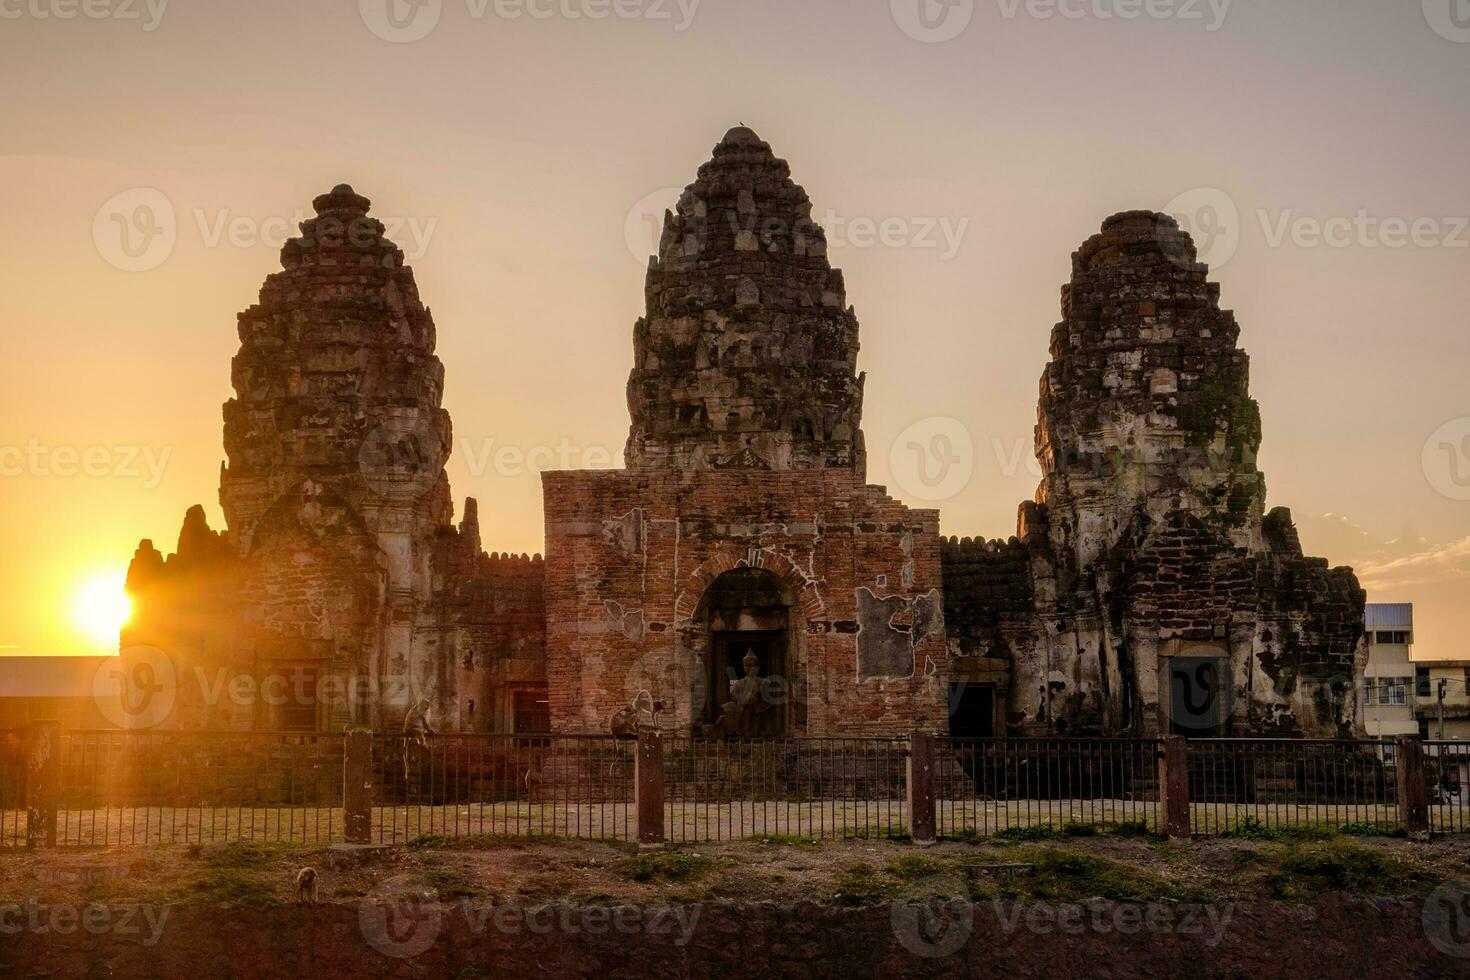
{"x": 1433, "y": 566}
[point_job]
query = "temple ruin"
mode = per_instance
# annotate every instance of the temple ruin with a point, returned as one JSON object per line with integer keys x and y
{"x": 740, "y": 576}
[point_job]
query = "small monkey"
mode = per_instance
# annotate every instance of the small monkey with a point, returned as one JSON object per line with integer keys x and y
{"x": 416, "y": 732}
{"x": 306, "y": 886}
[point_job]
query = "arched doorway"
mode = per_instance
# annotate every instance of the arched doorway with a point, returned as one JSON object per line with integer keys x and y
{"x": 751, "y": 654}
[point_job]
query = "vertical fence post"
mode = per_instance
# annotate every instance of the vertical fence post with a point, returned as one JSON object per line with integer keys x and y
{"x": 1413, "y": 796}
{"x": 1174, "y": 786}
{"x": 43, "y": 781}
{"x": 648, "y": 788}
{"x": 357, "y": 786}
{"x": 920, "y": 773}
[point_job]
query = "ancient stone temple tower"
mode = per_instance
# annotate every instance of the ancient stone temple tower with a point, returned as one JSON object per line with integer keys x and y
{"x": 747, "y": 357}
{"x": 1146, "y": 590}
{"x": 340, "y": 570}
{"x": 740, "y": 570}
{"x": 740, "y": 577}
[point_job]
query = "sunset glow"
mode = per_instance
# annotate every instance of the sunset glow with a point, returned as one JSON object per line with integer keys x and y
{"x": 100, "y": 608}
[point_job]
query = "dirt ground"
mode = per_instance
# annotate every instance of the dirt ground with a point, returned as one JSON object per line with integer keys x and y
{"x": 1303, "y": 905}
{"x": 777, "y": 869}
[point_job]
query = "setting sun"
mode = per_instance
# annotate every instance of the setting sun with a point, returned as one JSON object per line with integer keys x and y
{"x": 101, "y": 607}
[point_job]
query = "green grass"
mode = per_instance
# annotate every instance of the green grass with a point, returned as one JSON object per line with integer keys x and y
{"x": 1251, "y": 828}
{"x": 863, "y": 884}
{"x": 1063, "y": 875}
{"x": 784, "y": 840}
{"x": 1340, "y": 866}
{"x": 667, "y": 866}
{"x": 1032, "y": 833}
{"x": 913, "y": 867}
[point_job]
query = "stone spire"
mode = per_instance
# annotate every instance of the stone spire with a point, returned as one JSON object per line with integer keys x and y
{"x": 1146, "y": 400}
{"x": 746, "y": 357}
{"x": 337, "y": 387}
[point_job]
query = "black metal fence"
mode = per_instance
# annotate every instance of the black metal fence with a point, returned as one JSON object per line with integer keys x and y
{"x": 739, "y": 789}
{"x": 126, "y": 788}
{"x": 109, "y": 788}
{"x": 988, "y": 786}
{"x": 1447, "y": 778}
{"x": 1238, "y": 784}
{"x": 502, "y": 785}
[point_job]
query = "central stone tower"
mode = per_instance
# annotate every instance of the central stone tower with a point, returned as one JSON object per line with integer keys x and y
{"x": 747, "y": 356}
{"x": 740, "y": 570}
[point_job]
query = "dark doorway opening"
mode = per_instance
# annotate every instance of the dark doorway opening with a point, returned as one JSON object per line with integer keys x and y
{"x": 1199, "y": 696}
{"x": 972, "y": 710}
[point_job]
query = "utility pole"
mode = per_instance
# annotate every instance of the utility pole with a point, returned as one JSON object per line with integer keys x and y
{"x": 1442, "y": 685}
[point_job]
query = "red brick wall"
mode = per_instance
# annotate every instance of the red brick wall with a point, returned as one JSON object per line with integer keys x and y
{"x": 629, "y": 556}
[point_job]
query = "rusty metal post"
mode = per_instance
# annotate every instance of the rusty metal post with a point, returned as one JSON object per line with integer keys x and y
{"x": 648, "y": 788}
{"x": 357, "y": 786}
{"x": 920, "y": 772}
{"x": 1413, "y": 795}
{"x": 43, "y": 781}
{"x": 1174, "y": 786}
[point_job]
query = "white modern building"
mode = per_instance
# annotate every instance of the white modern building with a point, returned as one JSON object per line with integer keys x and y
{"x": 1389, "y": 692}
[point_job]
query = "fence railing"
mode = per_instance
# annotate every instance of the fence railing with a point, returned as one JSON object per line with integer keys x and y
{"x": 989, "y": 786}
{"x": 129, "y": 788}
{"x": 1285, "y": 783}
{"x": 501, "y": 785}
{"x": 716, "y": 789}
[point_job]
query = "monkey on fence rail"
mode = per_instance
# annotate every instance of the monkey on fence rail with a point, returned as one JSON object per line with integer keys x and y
{"x": 416, "y": 732}
{"x": 629, "y": 722}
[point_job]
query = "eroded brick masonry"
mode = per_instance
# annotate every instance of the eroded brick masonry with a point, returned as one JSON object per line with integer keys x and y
{"x": 739, "y": 573}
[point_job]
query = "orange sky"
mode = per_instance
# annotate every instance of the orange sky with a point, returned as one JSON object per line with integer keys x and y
{"x": 520, "y": 157}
